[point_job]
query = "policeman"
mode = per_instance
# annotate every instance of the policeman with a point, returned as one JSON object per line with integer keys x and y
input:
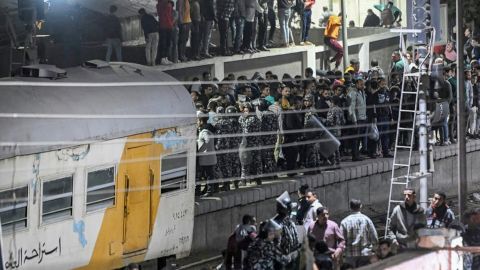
{"x": 263, "y": 253}
{"x": 289, "y": 244}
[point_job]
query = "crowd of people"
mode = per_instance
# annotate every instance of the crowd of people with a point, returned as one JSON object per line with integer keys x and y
{"x": 268, "y": 116}
{"x": 244, "y": 26}
{"x": 304, "y": 229}
{"x": 258, "y": 127}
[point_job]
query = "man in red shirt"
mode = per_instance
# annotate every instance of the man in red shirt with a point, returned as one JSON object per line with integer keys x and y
{"x": 165, "y": 23}
{"x": 326, "y": 230}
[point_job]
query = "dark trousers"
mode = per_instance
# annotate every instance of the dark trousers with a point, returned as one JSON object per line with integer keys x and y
{"x": 290, "y": 152}
{"x": 306, "y": 21}
{"x": 223, "y": 29}
{"x": 184, "y": 32}
{"x": 164, "y": 42}
{"x": 195, "y": 38}
{"x": 247, "y": 35}
{"x": 239, "y": 26}
{"x": 383, "y": 125}
{"x": 262, "y": 30}
{"x": 358, "y": 133}
{"x": 208, "y": 172}
{"x": 272, "y": 20}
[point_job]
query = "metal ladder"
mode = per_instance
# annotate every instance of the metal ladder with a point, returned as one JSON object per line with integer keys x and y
{"x": 399, "y": 180}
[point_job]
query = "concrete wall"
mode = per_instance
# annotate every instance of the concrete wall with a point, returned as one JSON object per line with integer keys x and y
{"x": 216, "y": 217}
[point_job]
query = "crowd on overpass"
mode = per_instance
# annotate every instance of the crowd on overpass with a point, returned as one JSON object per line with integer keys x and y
{"x": 244, "y": 27}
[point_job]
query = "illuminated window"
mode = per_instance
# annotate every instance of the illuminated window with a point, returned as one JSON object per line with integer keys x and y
{"x": 13, "y": 208}
{"x": 174, "y": 172}
{"x": 100, "y": 189}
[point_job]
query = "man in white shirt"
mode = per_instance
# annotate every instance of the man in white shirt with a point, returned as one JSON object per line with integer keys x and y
{"x": 311, "y": 215}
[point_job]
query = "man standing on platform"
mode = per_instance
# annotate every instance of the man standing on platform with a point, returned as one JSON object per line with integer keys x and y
{"x": 113, "y": 32}
{"x": 306, "y": 21}
{"x": 225, "y": 10}
{"x": 357, "y": 115}
{"x": 150, "y": 30}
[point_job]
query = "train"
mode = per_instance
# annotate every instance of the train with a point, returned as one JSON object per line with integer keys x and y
{"x": 97, "y": 167}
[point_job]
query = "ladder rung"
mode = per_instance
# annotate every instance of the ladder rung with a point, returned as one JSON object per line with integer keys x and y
{"x": 400, "y": 165}
{"x": 410, "y": 111}
{"x": 409, "y": 178}
{"x": 399, "y": 183}
{"x": 402, "y": 128}
{"x": 418, "y": 175}
{"x": 403, "y": 146}
{"x": 410, "y": 93}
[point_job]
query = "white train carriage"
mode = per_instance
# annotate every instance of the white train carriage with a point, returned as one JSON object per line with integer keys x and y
{"x": 97, "y": 169}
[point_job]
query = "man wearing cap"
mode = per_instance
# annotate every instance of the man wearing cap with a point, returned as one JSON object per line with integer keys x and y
{"x": 405, "y": 219}
{"x": 289, "y": 244}
{"x": 357, "y": 115}
{"x": 353, "y": 68}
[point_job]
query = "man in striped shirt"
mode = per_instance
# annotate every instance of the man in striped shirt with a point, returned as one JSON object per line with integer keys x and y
{"x": 360, "y": 236}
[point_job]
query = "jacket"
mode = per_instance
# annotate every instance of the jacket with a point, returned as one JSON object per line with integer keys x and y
{"x": 333, "y": 27}
{"x": 403, "y": 223}
{"x": 205, "y": 145}
{"x": 195, "y": 13}
{"x": 112, "y": 27}
{"x": 165, "y": 15}
{"x": 371, "y": 21}
{"x": 183, "y": 8}
{"x": 225, "y": 9}
{"x": 357, "y": 105}
{"x": 284, "y": 4}
{"x": 440, "y": 217}
{"x": 207, "y": 10}
{"x": 149, "y": 24}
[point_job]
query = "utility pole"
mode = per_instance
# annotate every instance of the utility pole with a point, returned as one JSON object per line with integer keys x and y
{"x": 461, "y": 117}
{"x": 344, "y": 36}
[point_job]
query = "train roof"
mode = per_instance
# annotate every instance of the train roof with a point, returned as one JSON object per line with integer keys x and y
{"x": 90, "y": 104}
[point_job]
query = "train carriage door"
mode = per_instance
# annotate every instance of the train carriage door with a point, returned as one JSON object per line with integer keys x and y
{"x": 137, "y": 199}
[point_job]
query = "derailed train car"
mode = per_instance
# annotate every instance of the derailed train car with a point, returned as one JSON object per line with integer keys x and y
{"x": 96, "y": 168}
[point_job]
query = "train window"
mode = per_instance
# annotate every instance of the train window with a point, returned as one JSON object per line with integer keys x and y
{"x": 57, "y": 199}
{"x": 174, "y": 172}
{"x": 100, "y": 189}
{"x": 13, "y": 208}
